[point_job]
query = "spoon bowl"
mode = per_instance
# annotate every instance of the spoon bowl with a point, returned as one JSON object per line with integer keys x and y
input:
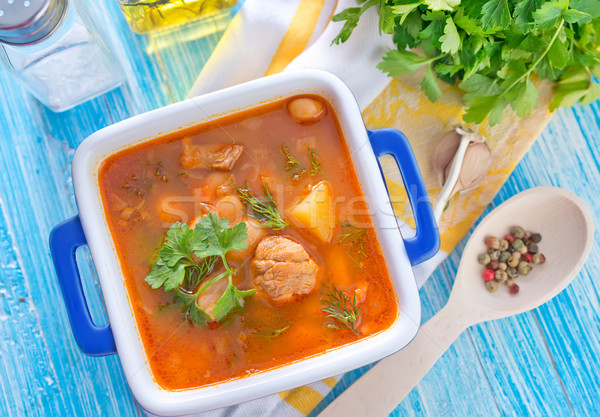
{"x": 566, "y": 226}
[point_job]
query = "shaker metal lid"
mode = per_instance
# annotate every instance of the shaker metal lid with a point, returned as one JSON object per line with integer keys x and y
{"x": 28, "y": 21}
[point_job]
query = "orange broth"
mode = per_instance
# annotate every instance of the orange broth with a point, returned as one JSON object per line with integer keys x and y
{"x": 145, "y": 189}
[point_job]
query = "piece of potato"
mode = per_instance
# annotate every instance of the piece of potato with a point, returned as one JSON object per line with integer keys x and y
{"x": 315, "y": 212}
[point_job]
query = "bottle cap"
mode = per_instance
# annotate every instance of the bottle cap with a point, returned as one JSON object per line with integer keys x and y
{"x": 28, "y": 21}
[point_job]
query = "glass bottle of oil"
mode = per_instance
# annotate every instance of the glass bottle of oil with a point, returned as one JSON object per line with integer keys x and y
{"x": 150, "y": 15}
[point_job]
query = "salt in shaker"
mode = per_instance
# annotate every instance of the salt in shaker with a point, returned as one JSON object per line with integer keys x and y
{"x": 61, "y": 60}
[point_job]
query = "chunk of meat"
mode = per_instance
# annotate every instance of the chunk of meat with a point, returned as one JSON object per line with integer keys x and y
{"x": 218, "y": 157}
{"x": 283, "y": 269}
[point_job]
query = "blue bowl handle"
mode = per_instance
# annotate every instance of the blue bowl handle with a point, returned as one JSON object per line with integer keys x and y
{"x": 64, "y": 241}
{"x": 426, "y": 242}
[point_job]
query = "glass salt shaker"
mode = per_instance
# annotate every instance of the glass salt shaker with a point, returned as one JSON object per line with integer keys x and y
{"x": 62, "y": 61}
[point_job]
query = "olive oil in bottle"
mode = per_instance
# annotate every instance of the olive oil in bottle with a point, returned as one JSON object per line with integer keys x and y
{"x": 149, "y": 15}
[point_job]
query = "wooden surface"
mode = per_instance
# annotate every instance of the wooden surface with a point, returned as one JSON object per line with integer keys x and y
{"x": 539, "y": 363}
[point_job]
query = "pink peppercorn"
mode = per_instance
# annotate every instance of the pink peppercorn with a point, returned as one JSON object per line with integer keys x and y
{"x": 488, "y": 275}
{"x": 509, "y": 238}
{"x": 526, "y": 257}
{"x": 513, "y": 289}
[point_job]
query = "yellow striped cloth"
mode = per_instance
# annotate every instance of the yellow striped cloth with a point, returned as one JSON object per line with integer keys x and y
{"x": 269, "y": 37}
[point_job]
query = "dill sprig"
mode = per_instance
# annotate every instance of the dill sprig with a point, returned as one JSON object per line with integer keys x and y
{"x": 274, "y": 332}
{"x": 315, "y": 165}
{"x": 343, "y": 311}
{"x": 353, "y": 236}
{"x": 291, "y": 162}
{"x": 262, "y": 209}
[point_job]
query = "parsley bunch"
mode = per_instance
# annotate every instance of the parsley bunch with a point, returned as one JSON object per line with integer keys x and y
{"x": 492, "y": 48}
{"x": 188, "y": 256}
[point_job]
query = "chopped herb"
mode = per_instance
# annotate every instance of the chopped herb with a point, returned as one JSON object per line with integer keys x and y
{"x": 188, "y": 256}
{"x": 183, "y": 174}
{"x": 274, "y": 332}
{"x": 342, "y": 311}
{"x": 355, "y": 237}
{"x": 262, "y": 209}
{"x": 296, "y": 176}
{"x": 126, "y": 186}
{"x": 315, "y": 165}
{"x": 291, "y": 162}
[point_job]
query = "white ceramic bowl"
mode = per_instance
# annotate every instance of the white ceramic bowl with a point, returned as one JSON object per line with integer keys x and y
{"x": 398, "y": 253}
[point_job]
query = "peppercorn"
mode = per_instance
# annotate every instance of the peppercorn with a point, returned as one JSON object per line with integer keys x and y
{"x": 512, "y": 273}
{"x": 513, "y": 261}
{"x": 493, "y": 265}
{"x": 513, "y": 289}
{"x": 504, "y": 255}
{"x": 517, "y": 231}
{"x": 518, "y": 244}
{"x": 503, "y": 244}
{"x": 500, "y": 276}
{"x": 484, "y": 259}
{"x": 494, "y": 254}
{"x": 538, "y": 258}
{"x": 526, "y": 238}
{"x": 527, "y": 257}
{"x": 532, "y": 248}
{"x": 523, "y": 250}
{"x": 509, "y": 238}
{"x": 492, "y": 286}
{"x": 524, "y": 268}
{"x": 488, "y": 275}
{"x": 502, "y": 266}
{"x": 536, "y": 237}
{"x": 492, "y": 242}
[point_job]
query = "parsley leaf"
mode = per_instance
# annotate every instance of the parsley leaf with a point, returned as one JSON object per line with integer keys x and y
{"x": 188, "y": 256}
{"x": 231, "y": 299}
{"x": 399, "y": 63}
{"x": 442, "y": 4}
{"x": 430, "y": 86}
{"x": 495, "y": 15}
{"x": 451, "y": 39}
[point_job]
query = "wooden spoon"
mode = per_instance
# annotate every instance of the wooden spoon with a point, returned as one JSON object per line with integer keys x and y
{"x": 567, "y": 230}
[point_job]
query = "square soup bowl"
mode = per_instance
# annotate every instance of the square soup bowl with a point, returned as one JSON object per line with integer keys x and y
{"x": 90, "y": 228}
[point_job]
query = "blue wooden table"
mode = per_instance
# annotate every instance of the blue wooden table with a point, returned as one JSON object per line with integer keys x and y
{"x": 545, "y": 362}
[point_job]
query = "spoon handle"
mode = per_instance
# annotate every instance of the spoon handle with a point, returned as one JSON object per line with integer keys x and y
{"x": 385, "y": 385}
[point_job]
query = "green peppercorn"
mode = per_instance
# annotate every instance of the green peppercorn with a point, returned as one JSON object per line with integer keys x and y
{"x": 536, "y": 237}
{"x": 513, "y": 261}
{"x": 503, "y": 244}
{"x": 504, "y": 255}
{"x": 512, "y": 273}
{"x": 517, "y": 231}
{"x": 492, "y": 242}
{"x": 538, "y": 258}
{"x": 484, "y": 259}
{"x": 518, "y": 244}
{"x": 500, "y": 276}
{"x": 524, "y": 268}
{"x": 502, "y": 266}
{"x": 532, "y": 248}
{"x": 492, "y": 286}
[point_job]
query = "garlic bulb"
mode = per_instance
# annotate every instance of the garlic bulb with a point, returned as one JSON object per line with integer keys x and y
{"x": 461, "y": 161}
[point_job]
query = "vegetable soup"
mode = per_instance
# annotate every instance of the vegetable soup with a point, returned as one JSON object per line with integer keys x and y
{"x": 246, "y": 243}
